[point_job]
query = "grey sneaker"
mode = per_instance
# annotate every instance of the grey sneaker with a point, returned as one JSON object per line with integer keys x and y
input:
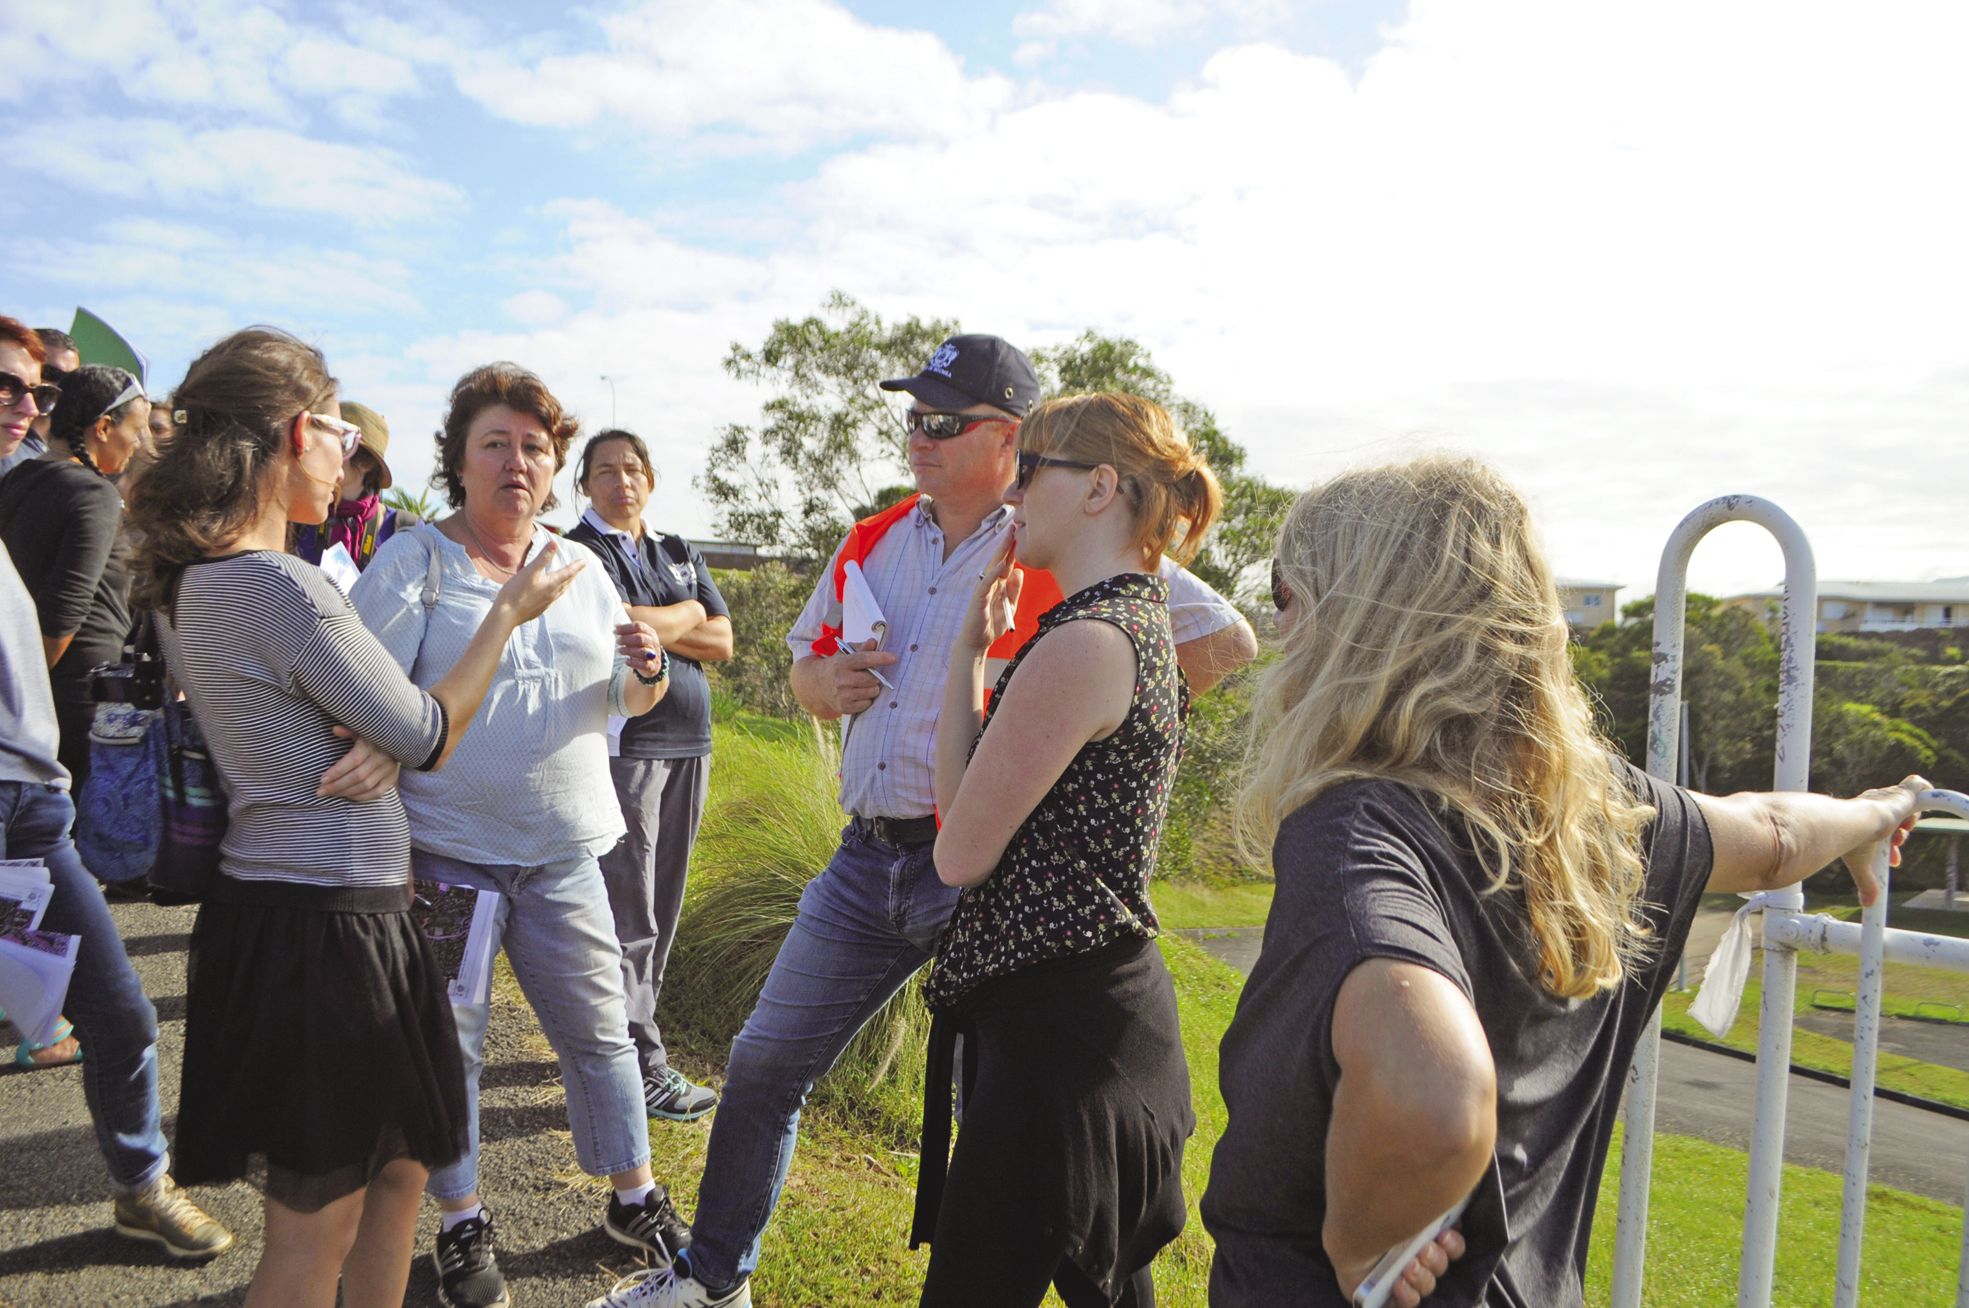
{"x": 164, "y": 1214}
{"x": 671, "y": 1287}
{"x": 675, "y": 1099}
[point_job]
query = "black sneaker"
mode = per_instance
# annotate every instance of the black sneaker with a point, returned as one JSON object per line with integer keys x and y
{"x": 651, "y": 1226}
{"x": 675, "y": 1099}
{"x": 468, "y": 1274}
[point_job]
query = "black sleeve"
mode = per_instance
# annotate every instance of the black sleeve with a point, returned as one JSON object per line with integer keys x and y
{"x": 1353, "y": 884}
{"x": 1679, "y": 856}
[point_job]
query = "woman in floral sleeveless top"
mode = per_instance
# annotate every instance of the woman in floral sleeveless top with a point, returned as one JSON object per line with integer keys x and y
{"x": 1067, "y": 1171}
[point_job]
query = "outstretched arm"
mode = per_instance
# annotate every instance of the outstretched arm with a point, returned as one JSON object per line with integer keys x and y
{"x": 1766, "y": 840}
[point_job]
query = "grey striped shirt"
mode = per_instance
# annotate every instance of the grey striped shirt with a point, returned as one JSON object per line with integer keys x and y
{"x": 271, "y": 657}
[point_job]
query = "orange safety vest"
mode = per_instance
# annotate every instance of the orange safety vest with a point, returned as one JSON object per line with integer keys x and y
{"x": 1040, "y": 593}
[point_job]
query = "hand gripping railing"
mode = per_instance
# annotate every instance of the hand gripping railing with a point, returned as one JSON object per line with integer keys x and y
{"x": 1794, "y": 751}
{"x": 1876, "y": 943}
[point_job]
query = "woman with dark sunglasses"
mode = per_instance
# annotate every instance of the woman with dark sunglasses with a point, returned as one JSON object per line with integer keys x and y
{"x": 1067, "y": 1169}
{"x": 62, "y": 519}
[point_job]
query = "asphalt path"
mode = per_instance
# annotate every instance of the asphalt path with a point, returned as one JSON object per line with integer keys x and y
{"x": 57, "y": 1248}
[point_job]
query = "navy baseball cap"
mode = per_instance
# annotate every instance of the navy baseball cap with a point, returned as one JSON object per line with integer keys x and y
{"x": 969, "y": 370}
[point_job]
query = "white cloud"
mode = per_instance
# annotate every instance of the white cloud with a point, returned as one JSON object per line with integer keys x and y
{"x": 263, "y": 166}
{"x": 1133, "y": 22}
{"x": 1637, "y": 256}
{"x": 770, "y": 75}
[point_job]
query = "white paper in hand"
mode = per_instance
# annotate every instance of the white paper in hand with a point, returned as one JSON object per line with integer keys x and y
{"x": 341, "y": 569}
{"x": 861, "y": 616}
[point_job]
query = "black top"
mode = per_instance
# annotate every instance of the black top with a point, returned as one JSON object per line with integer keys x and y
{"x": 1370, "y": 870}
{"x": 64, "y": 526}
{"x": 1075, "y": 876}
{"x": 663, "y": 570}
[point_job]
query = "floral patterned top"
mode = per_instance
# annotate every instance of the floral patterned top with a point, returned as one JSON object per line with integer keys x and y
{"x": 1075, "y": 876}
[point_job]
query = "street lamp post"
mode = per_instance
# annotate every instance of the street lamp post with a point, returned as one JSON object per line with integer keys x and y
{"x": 611, "y": 398}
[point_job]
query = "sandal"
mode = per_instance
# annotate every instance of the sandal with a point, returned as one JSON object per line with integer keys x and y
{"x": 24, "y": 1055}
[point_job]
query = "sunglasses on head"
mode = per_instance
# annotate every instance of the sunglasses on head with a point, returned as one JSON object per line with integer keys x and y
{"x": 1281, "y": 593}
{"x": 12, "y": 388}
{"x": 940, "y": 426}
{"x": 1030, "y": 464}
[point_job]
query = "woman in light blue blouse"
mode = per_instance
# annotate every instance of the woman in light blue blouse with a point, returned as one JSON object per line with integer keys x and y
{"x": 527, "y": 805}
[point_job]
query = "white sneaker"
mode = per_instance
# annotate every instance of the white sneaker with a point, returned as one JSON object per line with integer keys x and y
{"x": 665, "y": 1287}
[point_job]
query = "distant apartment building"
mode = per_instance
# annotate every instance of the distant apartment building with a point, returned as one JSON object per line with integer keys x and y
{"x": 1850, "y": 606}
{"x": 1588, "y": 603}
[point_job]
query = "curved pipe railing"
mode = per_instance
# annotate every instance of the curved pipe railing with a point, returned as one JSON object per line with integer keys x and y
{"x": 1794, "y": 752}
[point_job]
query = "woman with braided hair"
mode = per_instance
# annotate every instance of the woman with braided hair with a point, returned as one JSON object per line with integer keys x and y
{"x": 62, "y": 519}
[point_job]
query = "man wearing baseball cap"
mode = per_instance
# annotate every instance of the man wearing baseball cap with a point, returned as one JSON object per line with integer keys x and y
{"x": 874, "y": 914}
{"x": 360, "y": 521}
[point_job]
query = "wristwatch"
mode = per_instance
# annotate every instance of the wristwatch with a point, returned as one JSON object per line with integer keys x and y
{"x": 662, "y": 669}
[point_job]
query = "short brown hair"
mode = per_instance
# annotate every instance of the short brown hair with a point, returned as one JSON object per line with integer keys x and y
{"x": 14, "y": 332}
{"x": 1167, "y": 483}
{"x": 481, "y": 389}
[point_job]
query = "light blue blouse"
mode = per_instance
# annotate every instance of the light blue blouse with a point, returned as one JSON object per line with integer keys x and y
{"x": 529, "y": 784}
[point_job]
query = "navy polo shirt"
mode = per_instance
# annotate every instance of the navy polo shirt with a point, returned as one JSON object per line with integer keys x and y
{"x": 657, "y": 571}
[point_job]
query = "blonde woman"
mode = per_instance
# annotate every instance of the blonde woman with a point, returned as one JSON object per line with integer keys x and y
{"x": 1068, "y": 1168}
{"x": 1478, "y": 907}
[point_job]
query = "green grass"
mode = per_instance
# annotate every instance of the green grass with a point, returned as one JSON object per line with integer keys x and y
{"x": 1822, "y": 1052}
{"x": 839, "y": 1235}
{"x": 1695, "y": 1235}
{"x": 1188, "y": 902}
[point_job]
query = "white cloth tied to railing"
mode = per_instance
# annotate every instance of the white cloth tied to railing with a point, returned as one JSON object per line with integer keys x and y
{"x": 1721, "y": 993}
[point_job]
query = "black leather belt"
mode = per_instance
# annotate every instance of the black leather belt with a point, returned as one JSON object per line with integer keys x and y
{"x": 900, "y": 832}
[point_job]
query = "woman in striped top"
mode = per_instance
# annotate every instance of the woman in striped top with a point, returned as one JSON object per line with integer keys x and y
{"x": 317, "y": 1035}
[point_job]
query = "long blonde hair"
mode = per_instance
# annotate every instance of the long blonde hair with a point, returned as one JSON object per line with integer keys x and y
{"x": 1429, "y": 648}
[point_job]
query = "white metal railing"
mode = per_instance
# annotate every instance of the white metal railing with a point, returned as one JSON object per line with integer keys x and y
{"x": 1787, "y": 929}
{"x": 1794, "y": 752}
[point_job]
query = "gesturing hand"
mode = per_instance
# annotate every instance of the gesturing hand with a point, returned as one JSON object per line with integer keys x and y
{"x": 364, "y": 773}
{"x": 530, "y": 590}
{"x": 994, "y": 600}
{"x": 637, "y": 642}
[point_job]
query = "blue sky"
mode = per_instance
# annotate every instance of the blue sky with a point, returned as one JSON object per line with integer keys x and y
{"x": 1636, "y": 254}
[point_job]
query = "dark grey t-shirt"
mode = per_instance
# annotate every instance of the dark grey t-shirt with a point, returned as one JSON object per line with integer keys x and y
{"x": 1368, "y": 870}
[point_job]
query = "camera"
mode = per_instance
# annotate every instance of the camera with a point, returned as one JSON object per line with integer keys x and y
{"x": 137, "y": 681}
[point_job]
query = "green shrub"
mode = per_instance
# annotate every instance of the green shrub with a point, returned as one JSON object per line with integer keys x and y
{"x": 764, "y": 603}
{"x": 773, "y": 824}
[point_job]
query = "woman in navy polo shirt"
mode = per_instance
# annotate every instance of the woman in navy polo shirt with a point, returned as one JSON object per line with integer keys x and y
{"x": 662, "y": 760}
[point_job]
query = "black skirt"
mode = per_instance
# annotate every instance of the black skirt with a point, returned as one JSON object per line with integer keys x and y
{"x": 319, "y": 1042}
{"x": 1076, "y": 1111}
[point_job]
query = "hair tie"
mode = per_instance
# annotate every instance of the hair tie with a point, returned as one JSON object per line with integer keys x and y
{"x": 179, "y": 417}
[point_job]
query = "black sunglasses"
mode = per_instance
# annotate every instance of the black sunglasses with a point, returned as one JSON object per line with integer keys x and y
{"x": 12, "y": 388}
{"x": 943, "y": 426}
{"x": 1030, "y": 463}
{"x": 1281, "y": 593}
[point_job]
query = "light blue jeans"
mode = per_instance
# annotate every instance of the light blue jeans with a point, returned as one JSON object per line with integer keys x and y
{"x": 865, "y": 925}
{"x": 555, "y": 926}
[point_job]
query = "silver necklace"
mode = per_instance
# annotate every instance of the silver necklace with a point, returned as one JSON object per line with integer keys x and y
{"x": 485, "y": 554}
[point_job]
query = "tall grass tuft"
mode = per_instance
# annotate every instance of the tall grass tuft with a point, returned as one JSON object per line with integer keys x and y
{"x": 772, "y": 825}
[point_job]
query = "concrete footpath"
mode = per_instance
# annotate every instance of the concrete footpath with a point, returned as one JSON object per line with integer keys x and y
{"x": 57, "y": 1248}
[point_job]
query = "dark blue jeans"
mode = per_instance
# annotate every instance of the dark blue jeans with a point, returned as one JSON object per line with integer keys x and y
{"x": 865, "y": 925}
{"x": 113, "y": 1018}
